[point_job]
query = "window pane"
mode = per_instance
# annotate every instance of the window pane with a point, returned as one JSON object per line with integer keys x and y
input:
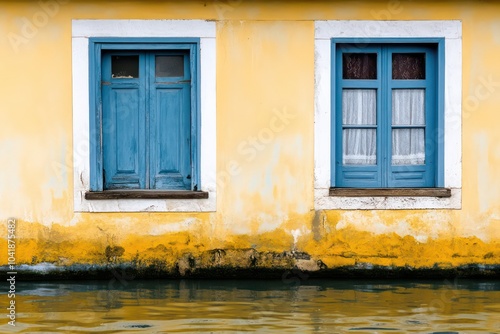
{"x": 408, "y": 146}
{"x": 169, "y": 66}
{"x": 359, "y": 66}
{"x": 359, "y": 147}
{"x": 124, "y": 66}
{"x": 406, "y": 66}
{"x": 408, "y": 107}
{"x": 359, "y": 106}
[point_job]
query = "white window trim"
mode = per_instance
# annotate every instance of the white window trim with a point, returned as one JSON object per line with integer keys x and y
{"x": 82, "y": 30}
{"x": 451, "y": 31}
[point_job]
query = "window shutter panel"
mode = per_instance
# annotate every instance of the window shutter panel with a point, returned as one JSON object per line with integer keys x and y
{"x": 123, "y": 129}
{"x": 170, "y": 128}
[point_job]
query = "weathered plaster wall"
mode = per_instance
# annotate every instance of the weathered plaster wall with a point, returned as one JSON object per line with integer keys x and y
{"x": 265, "y": 112}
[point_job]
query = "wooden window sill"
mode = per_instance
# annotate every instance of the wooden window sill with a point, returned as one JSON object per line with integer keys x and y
{"x": 146, "y": 194}
{"x": 390, "y": 192}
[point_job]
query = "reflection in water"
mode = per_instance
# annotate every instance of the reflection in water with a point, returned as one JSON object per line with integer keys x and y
{"x": 209, "y": 306}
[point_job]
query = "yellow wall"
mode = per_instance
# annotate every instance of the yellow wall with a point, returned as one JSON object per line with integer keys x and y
{"x": 265, "y": 62}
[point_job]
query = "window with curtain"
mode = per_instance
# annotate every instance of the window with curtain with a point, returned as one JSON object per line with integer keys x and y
{"x": 385, "y": 105}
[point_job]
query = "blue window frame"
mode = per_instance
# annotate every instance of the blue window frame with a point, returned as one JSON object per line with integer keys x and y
{"x": 144, "y": 117}
{"x": 387, "y": 117}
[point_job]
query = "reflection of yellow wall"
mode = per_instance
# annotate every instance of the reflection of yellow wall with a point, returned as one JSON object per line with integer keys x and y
{"x": 265, "y": 66}
{"x": 422, "y": 307}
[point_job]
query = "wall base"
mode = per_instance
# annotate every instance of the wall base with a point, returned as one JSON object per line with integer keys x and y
{"x": 245, "y": 264}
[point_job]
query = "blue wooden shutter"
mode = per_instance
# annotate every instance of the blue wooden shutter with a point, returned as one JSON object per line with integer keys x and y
{"x": 419, "y": 175}
{"x": 170, "y": 120}
{"x": 123, "y": 125}
{"x": 348, "y": 175}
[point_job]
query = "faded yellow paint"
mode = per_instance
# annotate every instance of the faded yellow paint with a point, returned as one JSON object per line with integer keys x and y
{"x": 265, "y": 66}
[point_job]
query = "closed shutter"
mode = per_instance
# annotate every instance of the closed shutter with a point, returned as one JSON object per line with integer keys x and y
{"x": 123, "y": 124}
{"x": 146, "y": 126}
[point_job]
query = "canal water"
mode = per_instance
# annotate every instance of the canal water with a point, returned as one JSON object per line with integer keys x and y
{"x": 293, "y": 304}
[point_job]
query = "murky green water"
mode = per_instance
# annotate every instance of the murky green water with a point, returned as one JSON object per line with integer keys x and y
{"x": 291, "y": 305}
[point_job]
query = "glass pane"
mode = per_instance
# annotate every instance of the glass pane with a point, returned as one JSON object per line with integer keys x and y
{"x": 359, "y": 66}
{"x": 408, "y": 146}
{"x": 124, "y": 66}
{"x": 406, "y": 66}
{"x": 169, "y": 66}
{"x": 408, "y": 107}
{"x": 359, "y": 147}
{"x": 359, "y": 106}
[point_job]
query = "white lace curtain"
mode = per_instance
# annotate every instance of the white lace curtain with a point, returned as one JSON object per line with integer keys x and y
{"x": 359, "y": 107}
{"x": 360, "y": 145}
{"x": 408, "y": 145}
